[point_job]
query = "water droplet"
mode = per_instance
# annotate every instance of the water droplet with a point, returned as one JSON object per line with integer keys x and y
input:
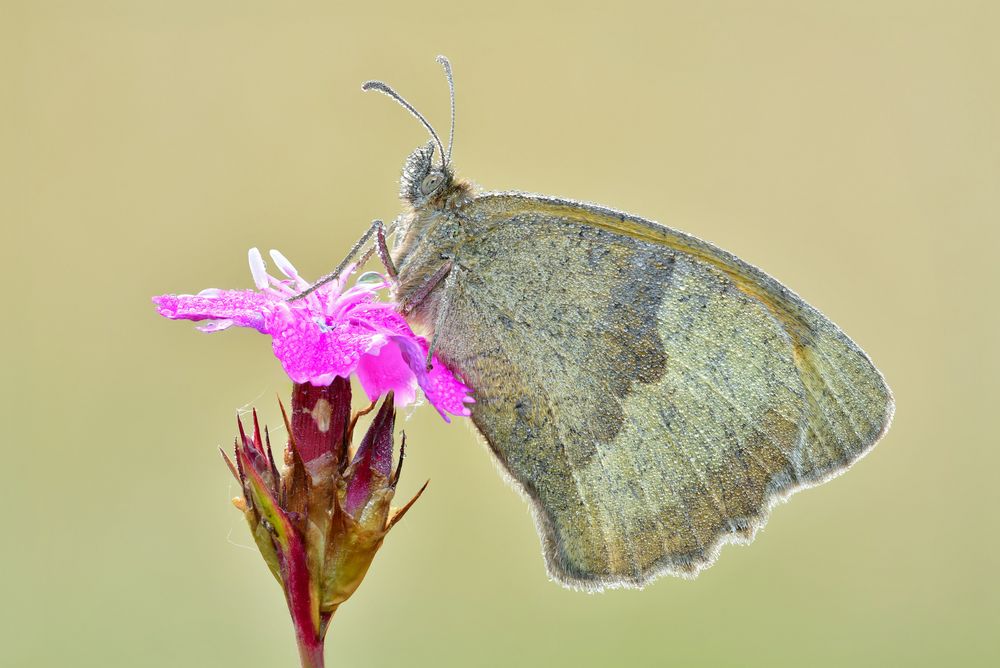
{"x": 370, "y": 278}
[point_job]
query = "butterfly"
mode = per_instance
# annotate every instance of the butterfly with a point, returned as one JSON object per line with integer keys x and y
{"x": 651, "y": 395}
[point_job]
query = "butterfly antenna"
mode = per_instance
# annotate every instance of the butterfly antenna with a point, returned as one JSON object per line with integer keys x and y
{"x": 451, "y": 89}
{"x": 387, "y": 90}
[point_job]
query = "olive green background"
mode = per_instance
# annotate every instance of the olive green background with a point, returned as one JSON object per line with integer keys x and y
{"x": 851, "y": 149}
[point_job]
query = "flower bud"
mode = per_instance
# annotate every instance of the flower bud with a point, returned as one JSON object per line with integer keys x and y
{"x": 320, "y": 520}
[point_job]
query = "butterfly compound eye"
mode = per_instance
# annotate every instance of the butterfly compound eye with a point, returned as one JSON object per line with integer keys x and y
{"x": 431, "y": 183}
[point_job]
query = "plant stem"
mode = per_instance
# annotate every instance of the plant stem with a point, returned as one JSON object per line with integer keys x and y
{"x": 310, "y": 629}
{"x": 310, "y": 648}
{"x": 311, "y": 642}
{"x": 309, "y": 638}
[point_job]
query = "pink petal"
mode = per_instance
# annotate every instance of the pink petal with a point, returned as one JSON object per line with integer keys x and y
{"x": 442, "y": 389}
{"x": 386, "y": 370}
{"x": 314, "y": 353}
{"x": 383, "y": 317}
{"x": 242, "y": 307}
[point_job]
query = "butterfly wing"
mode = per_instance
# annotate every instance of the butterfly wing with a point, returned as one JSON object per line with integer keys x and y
{"x": 651, "y": 394}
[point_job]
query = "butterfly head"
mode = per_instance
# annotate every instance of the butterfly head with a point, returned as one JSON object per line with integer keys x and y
{"x": 423, "y": 182}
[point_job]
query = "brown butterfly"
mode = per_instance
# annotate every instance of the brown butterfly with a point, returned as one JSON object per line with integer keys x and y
{"x": 652, "y": 395}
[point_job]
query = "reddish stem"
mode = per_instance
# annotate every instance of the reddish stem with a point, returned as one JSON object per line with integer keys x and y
{"x": 310, "y": 649}
{"x": 309, "y": 631}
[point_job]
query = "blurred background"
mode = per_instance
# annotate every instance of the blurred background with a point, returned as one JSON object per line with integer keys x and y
{"x": 851, "y": 149}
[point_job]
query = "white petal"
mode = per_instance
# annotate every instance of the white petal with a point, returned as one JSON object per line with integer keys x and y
{"x": 286, "y": 267}
{"x": 258, "y": 269}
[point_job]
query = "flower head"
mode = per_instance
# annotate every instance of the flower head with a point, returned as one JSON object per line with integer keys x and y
{"x": 332, "y": 332}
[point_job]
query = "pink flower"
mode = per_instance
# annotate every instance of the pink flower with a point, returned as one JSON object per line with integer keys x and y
{"x": 331, "y": 333}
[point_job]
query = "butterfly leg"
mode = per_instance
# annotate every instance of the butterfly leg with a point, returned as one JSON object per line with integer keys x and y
{"x": 377, "y": 228}
{"x": 442, "y": 312}
{"x": 443, "y": 273}
{"x": 383, "y": 250}
{"x": 420, "y": 294}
